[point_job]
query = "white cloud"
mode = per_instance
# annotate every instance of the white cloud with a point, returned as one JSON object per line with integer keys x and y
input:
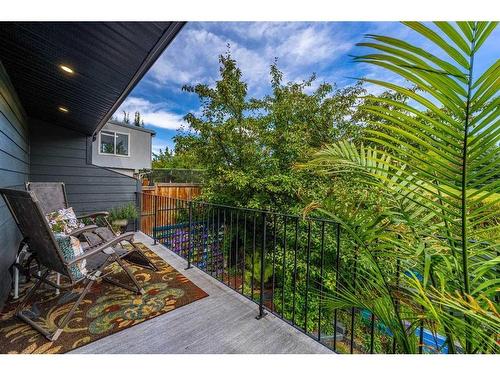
{"x": 258, "y": 30}
{"x": 312, "y": 45}
{"x": 194, "y": 60}
{"x": 153, "y": 114}
{"x": 301, "y": 48}
{"x": 163, "y": 119}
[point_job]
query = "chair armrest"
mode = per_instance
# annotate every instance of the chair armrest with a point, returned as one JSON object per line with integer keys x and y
{"x": 93, "y": 215}
{"x": 123, "y": 237}
{"x": 87, "y": 228}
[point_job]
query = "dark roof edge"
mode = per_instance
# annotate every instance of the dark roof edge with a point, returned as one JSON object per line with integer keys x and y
{"x": 129, "y": 126}
{"x": 168, "y": 35}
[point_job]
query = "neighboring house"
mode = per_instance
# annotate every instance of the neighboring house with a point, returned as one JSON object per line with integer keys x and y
{"x": 124, "y": 148}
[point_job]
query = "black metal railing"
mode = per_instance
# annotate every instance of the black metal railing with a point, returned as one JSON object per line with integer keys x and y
{"x": 284, "y": 263}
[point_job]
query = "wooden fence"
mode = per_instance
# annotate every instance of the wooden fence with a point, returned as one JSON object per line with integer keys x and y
{"x": 184, "y": 191}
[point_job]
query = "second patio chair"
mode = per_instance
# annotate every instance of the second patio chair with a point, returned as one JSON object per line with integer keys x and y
{"x": 52, "y": 197}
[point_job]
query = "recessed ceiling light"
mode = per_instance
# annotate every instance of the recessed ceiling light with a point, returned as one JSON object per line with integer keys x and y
{"x": 63, "y": 109}
{"x": 67, "y": 69}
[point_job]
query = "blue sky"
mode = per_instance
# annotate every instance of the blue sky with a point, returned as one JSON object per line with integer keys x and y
{"x": 302, "y": 48}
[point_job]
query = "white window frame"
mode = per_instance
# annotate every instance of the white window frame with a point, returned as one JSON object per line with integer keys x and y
{"x": 114, "y": 148}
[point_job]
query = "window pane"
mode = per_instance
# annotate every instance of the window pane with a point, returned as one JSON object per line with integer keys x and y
{"x": 107, "y": 143}
{"x": 122, "y": 144}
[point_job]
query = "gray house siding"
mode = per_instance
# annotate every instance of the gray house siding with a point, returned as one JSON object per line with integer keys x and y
{"x": 14, "y": 171}
{"x": 60, "y": 154}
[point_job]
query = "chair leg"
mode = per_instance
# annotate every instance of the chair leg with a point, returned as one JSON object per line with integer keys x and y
{"x": 69, "y": 315}
{"x": 31, "y": 258}
{"x": 58, "y": 282}
{"x": 143, "y": 260}
{"x": 19, "y": 310}
{"x": 16, "y": 269}
{"x": 30, "y": 293}
{"x": 16, "y": 283}
{"x": 52, "y": 336}
{"x": 131, "y": 276}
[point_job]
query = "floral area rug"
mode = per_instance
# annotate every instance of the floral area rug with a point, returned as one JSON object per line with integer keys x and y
{"x": 105, "y": 310}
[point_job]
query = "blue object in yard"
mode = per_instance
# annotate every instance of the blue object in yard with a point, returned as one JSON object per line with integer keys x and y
{"x": 367, "y": 317}
{"x": 414, "y": 274}
{"x": 432, "y": 343}
{"x": 176, "y": 238}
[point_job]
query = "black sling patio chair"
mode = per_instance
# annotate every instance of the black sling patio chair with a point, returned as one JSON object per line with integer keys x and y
{"x": 29, "y": 217}
{"x": 52, "y": 197}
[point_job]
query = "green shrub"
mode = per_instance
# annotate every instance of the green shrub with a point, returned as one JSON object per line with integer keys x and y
{"x": 128, "y": 211}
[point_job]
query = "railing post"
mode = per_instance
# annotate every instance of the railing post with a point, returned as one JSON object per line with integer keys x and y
{"x": 398, "y": 271}
{"x": 190, "y": 235}
{"x": 353, "y": 310}
{"x": 262, "y": 313}
{"x": 138, "y": 210}
{"x": 138, "y": 221}
{"x": 337, "y": 273}
{"x": 308, "y": 267}
{"x": 155, "y": 229}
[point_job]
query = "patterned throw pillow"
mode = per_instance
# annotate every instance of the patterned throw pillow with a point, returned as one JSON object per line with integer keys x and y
{"x": 63, "y": 221}
{"x": 71, "y": 248}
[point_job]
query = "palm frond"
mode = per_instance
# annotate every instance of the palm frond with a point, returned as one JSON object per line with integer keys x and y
{"x": 438, "y": 161}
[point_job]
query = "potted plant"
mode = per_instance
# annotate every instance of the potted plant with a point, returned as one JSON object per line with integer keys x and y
{"x": 119, "y": 217}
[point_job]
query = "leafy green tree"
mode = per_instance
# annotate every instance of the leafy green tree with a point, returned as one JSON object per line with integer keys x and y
{"x": 223, "y": 138}
{"x": 126, "y": 118}
{"x": 249, "y": 147}
{"x": 163, "y": 159}
{"x": 138, "y": 121}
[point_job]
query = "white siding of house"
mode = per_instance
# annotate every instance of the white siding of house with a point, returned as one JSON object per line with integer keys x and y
{"x": 139, "y": 151}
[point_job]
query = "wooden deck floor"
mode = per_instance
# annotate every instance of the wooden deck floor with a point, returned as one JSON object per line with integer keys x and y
{"x": 223, "y": 322}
